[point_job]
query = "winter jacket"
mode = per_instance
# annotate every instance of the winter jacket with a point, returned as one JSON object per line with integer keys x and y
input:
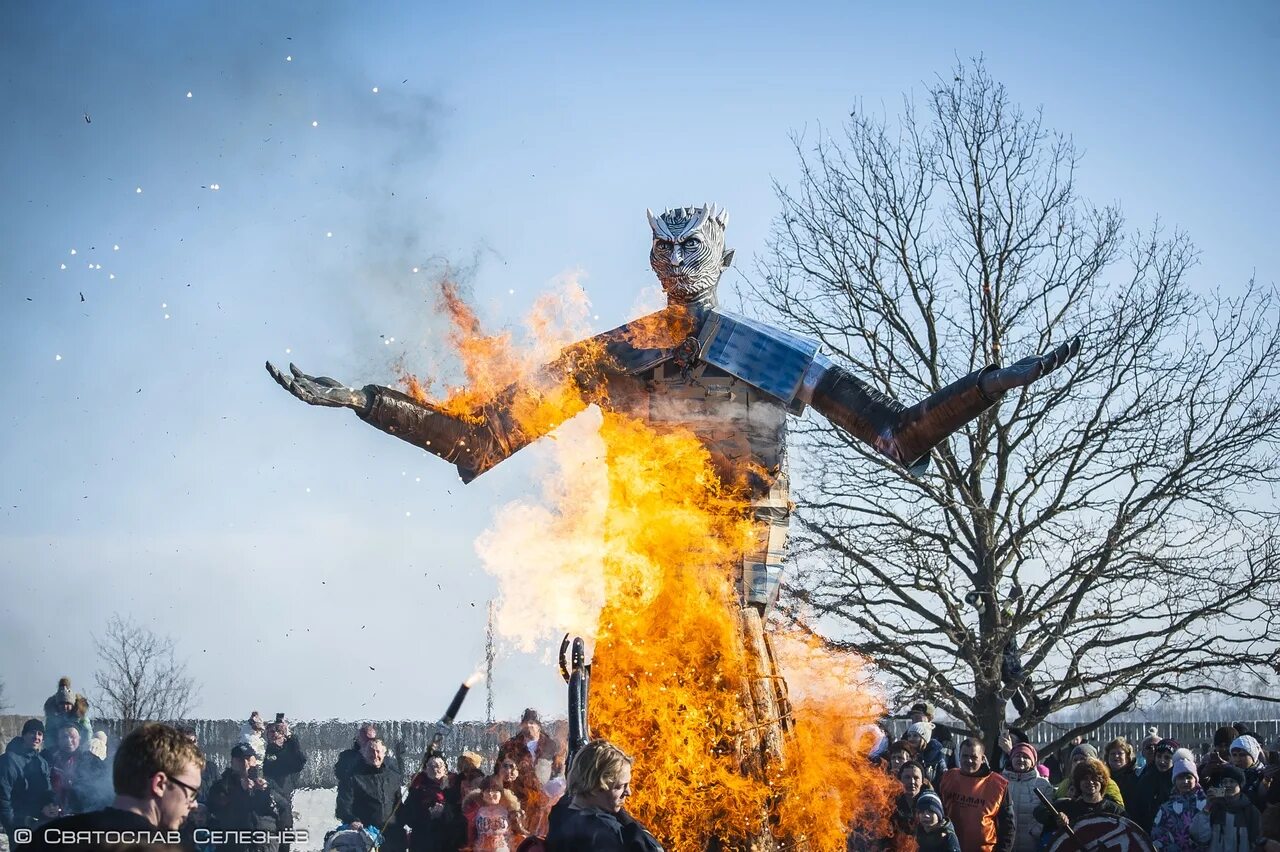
{"x": 371, "y": 795}
{"x": 80, "y": 781}
{"x": 349, "y": 760}
{"x": 24, "y": 786}
{"x": 1228, "y": 825}
{"x": 55, "y": 720}
{"x": 589, "y": 830}
{"x": 434, "y": 812}
{"x": 1022, "y": 795}
{"x": 941, "y": 839}
{"x": 979, "y": 807}
{"x": 1154, "y": 789}
{"x": 283, "y": 764}
{"x": 232, "y": 807}
{"x": 1075, "y": 810}
{"x": 1064, "y": 790}
{"x": 1127, "y": 780}
{"x": 934, "y": 761}
{"x": 1171, "y": 830}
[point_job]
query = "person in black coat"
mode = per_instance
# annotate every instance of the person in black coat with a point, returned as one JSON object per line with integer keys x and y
{"x": 1154, "y": 786}
{"x": 432, "y": 811}
{"x": 372, "y": 793}
{"x": 26, "y": 794}
{"x": 590, "y": 817}
{"x": 284, "y": 759}
{"x": 242, "y": 800}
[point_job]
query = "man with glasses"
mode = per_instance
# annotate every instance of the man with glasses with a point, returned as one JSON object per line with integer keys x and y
{"x": 156, "y": 777}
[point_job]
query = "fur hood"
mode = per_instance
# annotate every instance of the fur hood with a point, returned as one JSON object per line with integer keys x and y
{"x": 64, "y": 693}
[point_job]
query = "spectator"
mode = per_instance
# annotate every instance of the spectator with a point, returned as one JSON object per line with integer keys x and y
{"x": 531, "y": 746}
{"x": 284, "y": 759}
{"x": 432, "y": 811}
{"x": 494, "y": 826}
{"x": 469, "y": 775}
{"x": 977, "y": 802}
{"x": 64, "y": 708}
{"x": 93, "y": 779}
{"x": 1147, "y": 750}
{"x": 1009, "y": 737}
{"x": 26, "y": 796}
{"x": 155, "y": 774}
{"x": 1220, "y": 755}
{"x": 930, "y": 754}
{"x": 1171, "y": 829}
{"x": 251, "y": 733}
{"x": 923, "y": 711}
{"x": 65, "y": 760}
{"x": 900, "y": 753}
{"x": 475, "y": 799}
{"x": 1155, "y": 785}
{"x": 1088, "y": 779}
{"x": 1122, "y": 763}
{"x": 373, "y": 790}
{"x": 912, "y": 777}
{"x": 591, "y": 817}
{"x": 1024, "y": 780}
{"x": 1246, "y": 755}
{"x": 1230, "y": 823}
{"x": 242, "y": 800}
{"x": 1082, "y": 752}
{"x": 208, "y": 775}
{"x": 1057, "y": 763}
{"x": 933, "y": 833}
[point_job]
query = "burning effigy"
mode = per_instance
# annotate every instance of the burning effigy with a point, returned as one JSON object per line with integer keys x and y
{"x": 667, "y": 526}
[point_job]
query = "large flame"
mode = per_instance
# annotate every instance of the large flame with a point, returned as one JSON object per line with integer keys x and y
{"x": 633, "y": 542}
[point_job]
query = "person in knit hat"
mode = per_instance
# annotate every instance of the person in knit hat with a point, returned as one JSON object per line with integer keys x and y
{"x": 66, "y": 707}
{"x": 934, "y": 833}
{"x": 1083, "y": 752}
{"x": 1230, "y": 823}
{"x": 1171, "y": 830}
{"x": 1247, "y": 756}
{"x": 1155, "y": 785}
{"x": 1024, "y": 780}
{"x": 929, "y": 752}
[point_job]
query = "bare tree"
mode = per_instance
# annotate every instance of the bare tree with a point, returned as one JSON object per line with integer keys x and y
{"x": 140, "y": 678}
{"x": 4, "y": 703}
{"x": 1103, "y": 537}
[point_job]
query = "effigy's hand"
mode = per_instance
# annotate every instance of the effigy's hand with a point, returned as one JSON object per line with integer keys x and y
{"x": 318, "y": 390}
{"x": 1026, "y": 371}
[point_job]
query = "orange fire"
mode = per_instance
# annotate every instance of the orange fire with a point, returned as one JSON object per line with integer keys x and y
{"x": 634, "y": 543}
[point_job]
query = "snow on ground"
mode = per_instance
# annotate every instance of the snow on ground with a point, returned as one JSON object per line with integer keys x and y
{"x": 314, "y": 808}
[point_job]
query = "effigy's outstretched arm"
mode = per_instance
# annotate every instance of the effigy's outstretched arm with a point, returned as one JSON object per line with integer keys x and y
{"x": 906, "y": 435}
{"x": 475, "y": 440}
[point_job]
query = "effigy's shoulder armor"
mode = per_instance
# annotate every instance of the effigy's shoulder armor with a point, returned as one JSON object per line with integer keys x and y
{"x": 775, "y": 361}
{"x": 769, "y": 359}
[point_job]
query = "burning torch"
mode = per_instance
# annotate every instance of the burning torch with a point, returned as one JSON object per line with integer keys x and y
{"x": 435, "y": 747}
{"x": 576, "y": 672}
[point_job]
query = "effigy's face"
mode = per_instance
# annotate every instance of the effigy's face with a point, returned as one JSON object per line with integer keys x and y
{"x": 688, "y": 251}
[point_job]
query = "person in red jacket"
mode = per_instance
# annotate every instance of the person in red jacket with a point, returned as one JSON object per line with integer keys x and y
{"x": 977, "y": 802}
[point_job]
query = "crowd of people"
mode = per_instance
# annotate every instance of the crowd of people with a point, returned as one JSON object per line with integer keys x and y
{"x": 1220, "y": 800}
{"x": 55, "y": 775}
{"x": 160, "y": 780}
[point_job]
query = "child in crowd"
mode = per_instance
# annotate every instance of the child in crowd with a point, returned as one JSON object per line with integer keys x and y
{"x": 934, "y": 833}
{"x": 495, "y": 823}
{"x": 1230, "y": 823}
{"x": 1171, "y": 831}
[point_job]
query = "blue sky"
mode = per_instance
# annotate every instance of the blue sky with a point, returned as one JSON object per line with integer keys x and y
{"x": 151, "y": 468}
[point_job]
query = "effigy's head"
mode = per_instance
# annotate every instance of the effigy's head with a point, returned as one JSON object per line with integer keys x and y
{"x": 688, "y": 251}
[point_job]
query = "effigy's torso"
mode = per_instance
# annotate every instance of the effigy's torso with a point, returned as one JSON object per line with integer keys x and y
{"x": 744, "y": 430}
